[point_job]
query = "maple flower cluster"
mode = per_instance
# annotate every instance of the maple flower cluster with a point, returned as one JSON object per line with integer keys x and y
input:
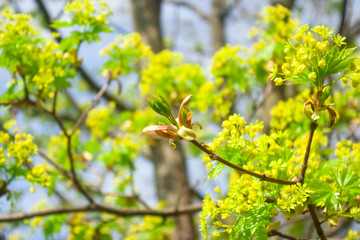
{"x": 314, "y": 55}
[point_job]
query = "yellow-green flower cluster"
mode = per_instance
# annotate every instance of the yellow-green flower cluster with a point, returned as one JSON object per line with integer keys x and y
{"x": 229, "y": 68}
{"x": 15, "y": 152}
{"x": 89, "y": 12}
{"x": 167, "y": 74}
{"x": 353, "y": 235}
{"x": 53, "y": 67}
{"x": 349, "y": 152}
{"x": 4, "y": 139}
{"x": 124, "y": 54}
{"x": 14, "y": 27}
{"x": 293, "y": 196}
{"x": 272, "y": 154}
{"x": 209, "y": 210}
{"x": 314, "y": 55}
{"x": 272, "y": 32}
{"x": 236, "y": 133}
{"x": 100, "y": 119}
{"x": 278, "y": 25}
{"x": 81, "y": 226}
{"x": 38, "y": 174}
{"x": 176, "y": 79}
{"x": 21, "y": 148}
{"x": 289, "y": 114}
{"x": 294, "y": 165}
{"x": 42, "y": 64}
{"x": 246, "y": 194}
{"x": 355, "y": 213}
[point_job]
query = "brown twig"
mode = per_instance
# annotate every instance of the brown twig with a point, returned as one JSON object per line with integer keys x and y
{"x": 216, "y": 157}
{"x": 12, "y": 102}
{"x": 257, "y": 105}
{"x": 54, "y": 102}
{"x": 301, "y": 177}
{"x": 54, "y": 164}
{"x": 72, "y": 101}
{"x": 78, "y": 123}
{"x": 70, "y": 155}
{"x": 191, "y": 7}
{"x": 73, "y": 171}
{"x": 283, "y": 235}
{"x": 104, "y": 209}
{"x": 94, "y": 101}
{"x": 316, "y": 221}
{"x": 345, "y": 17}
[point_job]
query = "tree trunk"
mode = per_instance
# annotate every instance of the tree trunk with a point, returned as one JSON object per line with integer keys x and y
{"x": 146, "y": 19}
{"x": 217, "y": 21}
{"x": 172, "y": 184}
{"x": 170, "y": 170}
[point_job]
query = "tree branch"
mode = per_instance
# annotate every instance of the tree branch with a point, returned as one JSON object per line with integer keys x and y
{"x": 316, "y": 221}
{"x": 69, "y": 137}
{"x": 191, "y": 7}
{"x": 94, "y": 101}
{"x": 262, "y": 177}
{"x": 54, "y": 164}
{"x": 283, "y": 235}
{"x": 301, "y": 177}
{"x": 73, "y": 171}
{"x": 345, "y": 17}
{"x": 167, "y": 212}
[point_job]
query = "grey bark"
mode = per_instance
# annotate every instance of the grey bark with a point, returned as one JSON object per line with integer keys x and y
{"x": 172, "y": 184}
{"x": 217, "y": 21}
{"x": 146, "y": 19}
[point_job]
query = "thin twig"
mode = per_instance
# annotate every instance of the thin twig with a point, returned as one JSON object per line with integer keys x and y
{"x": 73, "y": 171}
{"x": 104, "y": 209}
{"x": 54, "y": 164}
{"x": 191, "y": 7}
{"x": 72, "y": 101}
{"x": 301, "y": 178}
{"x": 12, "y": 102}
{"x": 50, "y": 113}
{"x": 283, "y": 235}
{"x": 216, "y": 157}
{"x": 54, "y": 103}
{"x": 260, "y": 103}
{"x": 83, "y": 116}
{"x": 316, "y": 221}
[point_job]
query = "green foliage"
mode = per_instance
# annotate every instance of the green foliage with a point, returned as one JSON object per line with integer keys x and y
{"x": 108, "y": 141}
{"x": 124, "y": 54}
{"x": 38, "y": 65}
{"x": 90, "y": 16}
